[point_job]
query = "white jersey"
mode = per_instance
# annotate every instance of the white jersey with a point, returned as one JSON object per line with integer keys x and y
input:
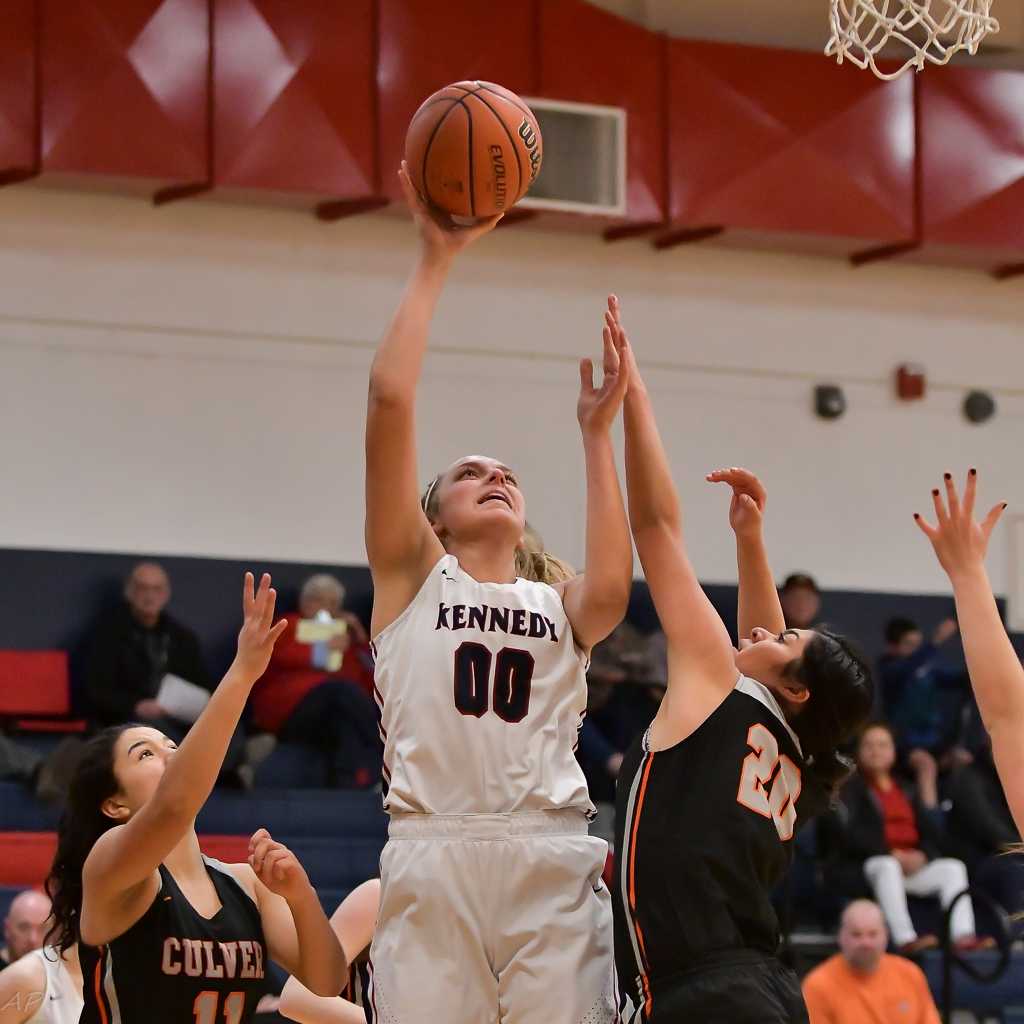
{"x": 60, "y": 1002}
{"x": 482, "y": 692}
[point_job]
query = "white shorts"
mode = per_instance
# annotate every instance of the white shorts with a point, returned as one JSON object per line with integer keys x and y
{"x": 489, "y": 918}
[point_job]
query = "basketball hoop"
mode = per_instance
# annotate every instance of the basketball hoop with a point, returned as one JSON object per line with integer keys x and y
{"x": 932, "y": 30}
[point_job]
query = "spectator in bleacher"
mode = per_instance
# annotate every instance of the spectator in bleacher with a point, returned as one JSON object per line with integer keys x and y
{"x": 801, "y": 601}
{"x": 892, "y": 835}
{"x": 864, "y": 983}
{"x": 25, "y": 925}
{"x": 304, "y": 698}
{"x": 981, "y": 822}
{"x": 924, "y": 697}
{"x": 134, "y": 647}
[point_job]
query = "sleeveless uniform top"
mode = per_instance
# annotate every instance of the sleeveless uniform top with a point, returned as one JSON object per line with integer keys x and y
{"x": 174, "y": 966}
{"x": 60, "y": 1002}
{"x": 703, "y": 833}
{"x": 482, "y": 692}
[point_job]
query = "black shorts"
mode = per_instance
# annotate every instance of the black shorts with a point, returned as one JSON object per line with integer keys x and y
{"x": 744, "y": 987}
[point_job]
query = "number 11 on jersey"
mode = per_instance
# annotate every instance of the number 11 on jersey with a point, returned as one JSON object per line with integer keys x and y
{"x": 204, "y": 1009}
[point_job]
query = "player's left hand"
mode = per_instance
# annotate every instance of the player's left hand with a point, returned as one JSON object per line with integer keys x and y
{"x": 746, "y": 510}
{"x": 598, "y": 407}
{"x": 276, "y": 866}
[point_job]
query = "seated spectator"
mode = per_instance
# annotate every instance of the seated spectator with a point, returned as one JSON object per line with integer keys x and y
{"x": 892, "y": 836}
{"x": 801, "y": 601}
{"x": 981, "y": 822}
{"x": 48, "y": 776}
{"x": 133, "y": 648}
{"x": 303, "y": 700}
{"x": 25, "y": 925}
{"x": 864, "y": 983}
{"x": 924, "y": 698}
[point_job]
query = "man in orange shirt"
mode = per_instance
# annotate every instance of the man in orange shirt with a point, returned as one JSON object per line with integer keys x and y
{"x": 862, "y": 984}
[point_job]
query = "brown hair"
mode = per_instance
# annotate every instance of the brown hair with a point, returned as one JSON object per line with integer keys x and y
{"x": 532, "y": 561}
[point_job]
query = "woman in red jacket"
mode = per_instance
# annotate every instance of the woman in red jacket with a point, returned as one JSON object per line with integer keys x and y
{"x": 321, "y": 694}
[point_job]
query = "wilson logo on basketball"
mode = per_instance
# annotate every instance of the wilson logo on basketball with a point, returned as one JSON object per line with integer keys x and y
{"x": 529, "y": 137}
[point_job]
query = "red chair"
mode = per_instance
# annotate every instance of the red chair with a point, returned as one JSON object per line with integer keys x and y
{"x": 35, "y": 693}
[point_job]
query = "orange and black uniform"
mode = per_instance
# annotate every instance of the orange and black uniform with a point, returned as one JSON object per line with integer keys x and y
{"x": 703, "y": 834}
{"x": 174, "y": 966}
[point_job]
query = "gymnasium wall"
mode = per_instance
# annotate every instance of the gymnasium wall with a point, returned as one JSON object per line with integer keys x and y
{"x": 191, "y": 380}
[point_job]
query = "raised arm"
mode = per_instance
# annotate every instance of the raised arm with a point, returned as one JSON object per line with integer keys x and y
{"x": 996, "y": 673}
{"x": 701, "y": 661}
{"x": 129, "y": 854}
{"x": 596, "y": 601}
{"x": 758, "y": 603}
{"x": 400, "y": 545}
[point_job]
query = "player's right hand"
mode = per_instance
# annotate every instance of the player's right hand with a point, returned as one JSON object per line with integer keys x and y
{"x": 258, "y": 634}
{"x": 440, "y": 235}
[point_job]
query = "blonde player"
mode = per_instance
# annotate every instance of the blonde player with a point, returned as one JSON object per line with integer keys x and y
{"x": 492, "y": 906}
{"x": 353, "y": 922}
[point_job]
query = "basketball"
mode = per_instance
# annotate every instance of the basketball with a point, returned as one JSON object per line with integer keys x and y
{"x": 473, "y": 149}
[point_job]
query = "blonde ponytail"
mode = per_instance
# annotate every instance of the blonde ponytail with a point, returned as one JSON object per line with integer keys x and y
{"x": 534, "y": 563}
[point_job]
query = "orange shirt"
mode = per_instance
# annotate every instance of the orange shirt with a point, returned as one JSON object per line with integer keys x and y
{"x": 897, "y": 993}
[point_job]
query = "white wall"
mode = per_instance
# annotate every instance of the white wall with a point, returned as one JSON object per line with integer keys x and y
{"x": 191, "y": 379}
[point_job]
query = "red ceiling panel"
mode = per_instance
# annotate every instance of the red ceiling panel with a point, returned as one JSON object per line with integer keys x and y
{"x": 296, "y": 96}
{"x": 125, "y": 88}
{"x": 972, "y": 158}
{"x": 425, "y": 46}
{"x": 590, "y": 56}
{"x": 17, "y": 91}
{"x": 772, "y": 140}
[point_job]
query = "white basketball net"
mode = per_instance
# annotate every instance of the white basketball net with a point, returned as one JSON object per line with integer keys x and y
{"x": 932, "y": 30}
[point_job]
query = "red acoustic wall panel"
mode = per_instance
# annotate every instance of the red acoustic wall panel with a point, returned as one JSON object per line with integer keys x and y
{"x": 425, "y": 45}
{"x": 295, "y": 96}
{"x": 972, "y": 158}
{"x": 17, "y": 91}
{"x": 590, "y": 56}
{"x": 779, "y": 141}
{"x": 125, "y": 88}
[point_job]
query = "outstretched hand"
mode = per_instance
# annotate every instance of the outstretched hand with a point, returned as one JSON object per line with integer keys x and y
{"x": 258, "y": 634}
{"x": 746, "y": 510}
{"x": 960, "y": 542}
{"x": 598, "y": 407}
{"x": 276, "y": 866}
{"x": 439, "y": 234}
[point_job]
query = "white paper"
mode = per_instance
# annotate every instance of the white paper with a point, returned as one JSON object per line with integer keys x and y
{"x": 181, "y": 699}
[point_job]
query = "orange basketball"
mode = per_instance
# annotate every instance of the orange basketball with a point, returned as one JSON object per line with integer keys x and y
{"x": 473, "y": 149}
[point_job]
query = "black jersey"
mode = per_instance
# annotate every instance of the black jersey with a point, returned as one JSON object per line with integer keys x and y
{"x": 174, "y": 966}
{"x": 702, "y": 835}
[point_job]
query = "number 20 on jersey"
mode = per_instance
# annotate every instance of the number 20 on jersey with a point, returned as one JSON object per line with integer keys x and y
{"x": 769, "y": 784}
